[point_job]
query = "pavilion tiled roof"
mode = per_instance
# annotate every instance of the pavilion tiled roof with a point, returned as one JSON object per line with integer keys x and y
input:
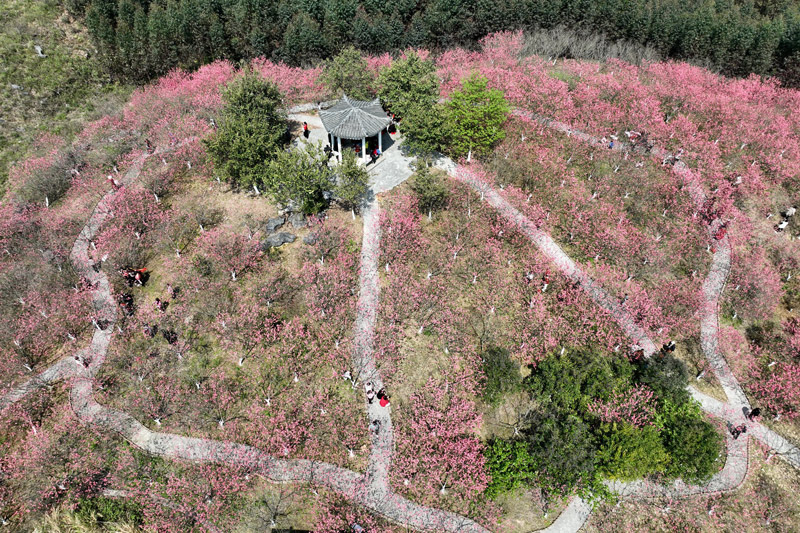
{"x": 354, "y": 119}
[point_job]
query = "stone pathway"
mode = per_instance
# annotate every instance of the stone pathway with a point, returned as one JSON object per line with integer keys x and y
{"x": 365, "y": 370}
{"x": 562, "y": 261}
{"x": 393, "y": 168}
{"x": 736, "y": 466}
{"x": 62, "y": 369}
{"x": 372, "y": 490}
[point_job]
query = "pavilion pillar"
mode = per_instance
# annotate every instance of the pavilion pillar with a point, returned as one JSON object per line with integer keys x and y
{"x": 339, "y": 139}
{"x": 364, "y": 148}
{"x": 380, "y": 141}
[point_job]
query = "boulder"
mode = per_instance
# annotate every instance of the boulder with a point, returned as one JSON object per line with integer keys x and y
{"x": 278, "y": 239}
{"x": 310, "y": 239}
{"x": 298, "y": 220}
{"x": 275, "y": 223}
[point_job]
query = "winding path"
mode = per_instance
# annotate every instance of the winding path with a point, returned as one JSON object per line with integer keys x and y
{"x": 62, "y": 369}
{"x": 372, "y": 490}
{"x": 736, "y": 465}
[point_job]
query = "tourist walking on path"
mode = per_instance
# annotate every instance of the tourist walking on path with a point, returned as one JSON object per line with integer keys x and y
{"x": 383, "y": 399}
{"x": 370, "y": 391}
{"x": 374, "y": 155}
{"x": 737, "y": 430}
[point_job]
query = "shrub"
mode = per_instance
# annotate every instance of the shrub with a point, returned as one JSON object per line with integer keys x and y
{"x": 502, "y": 374}
{"x": 570, "y": 381}
{"x": 666, "y": 375}
{"x": 594, "y": 415}
{"x": 693, "y": 444}
{"x": 628, "y": 452}
{"x": 101, "y": 509}
{"x": 510, "y": 466}
{"x": 563, "y": 448}
{"x": 430, "y": 189}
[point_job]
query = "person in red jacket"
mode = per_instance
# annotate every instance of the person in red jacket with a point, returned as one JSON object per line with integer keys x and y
{"x": 383, "y": 399}
{"x": 140, "y": 276}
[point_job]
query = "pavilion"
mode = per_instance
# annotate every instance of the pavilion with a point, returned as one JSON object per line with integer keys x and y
{"x": 355, "y": 120}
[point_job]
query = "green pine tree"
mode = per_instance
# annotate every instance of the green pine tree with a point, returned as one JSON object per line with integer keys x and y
{"x": 250, "y": 132}
{"x": 408, "y": 82}
{"x": 475, "y": 117}
{"x": 347, "y": 73}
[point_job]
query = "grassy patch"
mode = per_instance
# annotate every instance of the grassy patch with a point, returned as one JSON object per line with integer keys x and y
{"x": 54, "y": 94}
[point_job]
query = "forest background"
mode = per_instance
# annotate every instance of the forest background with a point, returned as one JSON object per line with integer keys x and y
{"x": 94, "y": 51}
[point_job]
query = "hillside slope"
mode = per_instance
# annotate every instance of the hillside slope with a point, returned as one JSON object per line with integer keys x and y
{"x": 238, "y": 363}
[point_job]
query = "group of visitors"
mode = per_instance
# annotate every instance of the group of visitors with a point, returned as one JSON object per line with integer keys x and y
{"x": 639, "y": 141}
{"x": 672, "y": 159}
{"x": 383, "y": 399}
{"x": 139, "y": 277}
{"x": 737, "y": 430}
{"x": 374, "y": 154}
{"x": 126, "y": 303}
{"x": 668, "y": 348}
{"x": 135, "y": 276}
{"x": 151, "y": 330}
{"x": 751, "y": 415}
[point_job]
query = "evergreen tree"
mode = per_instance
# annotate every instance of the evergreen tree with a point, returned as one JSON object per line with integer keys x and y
{"x": 408, "y": 82}
{"x": 303, "y": 42}
{"x": 141, "y": 45}
{"x": 162, "y": 53}
{"x": 353, "y": 182}
{"x": 250, "y": 132}
{"x": 101, "y": 18}
{"x": 300, "y": 178}
{"x": 424, "y": 128}
{"x": 475, "y": 117}
{"x": 347, "y": 73}
{"x": 736, "y": 37}
{"x": 339, "y": 15}
{"x": 125, "y": 37}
